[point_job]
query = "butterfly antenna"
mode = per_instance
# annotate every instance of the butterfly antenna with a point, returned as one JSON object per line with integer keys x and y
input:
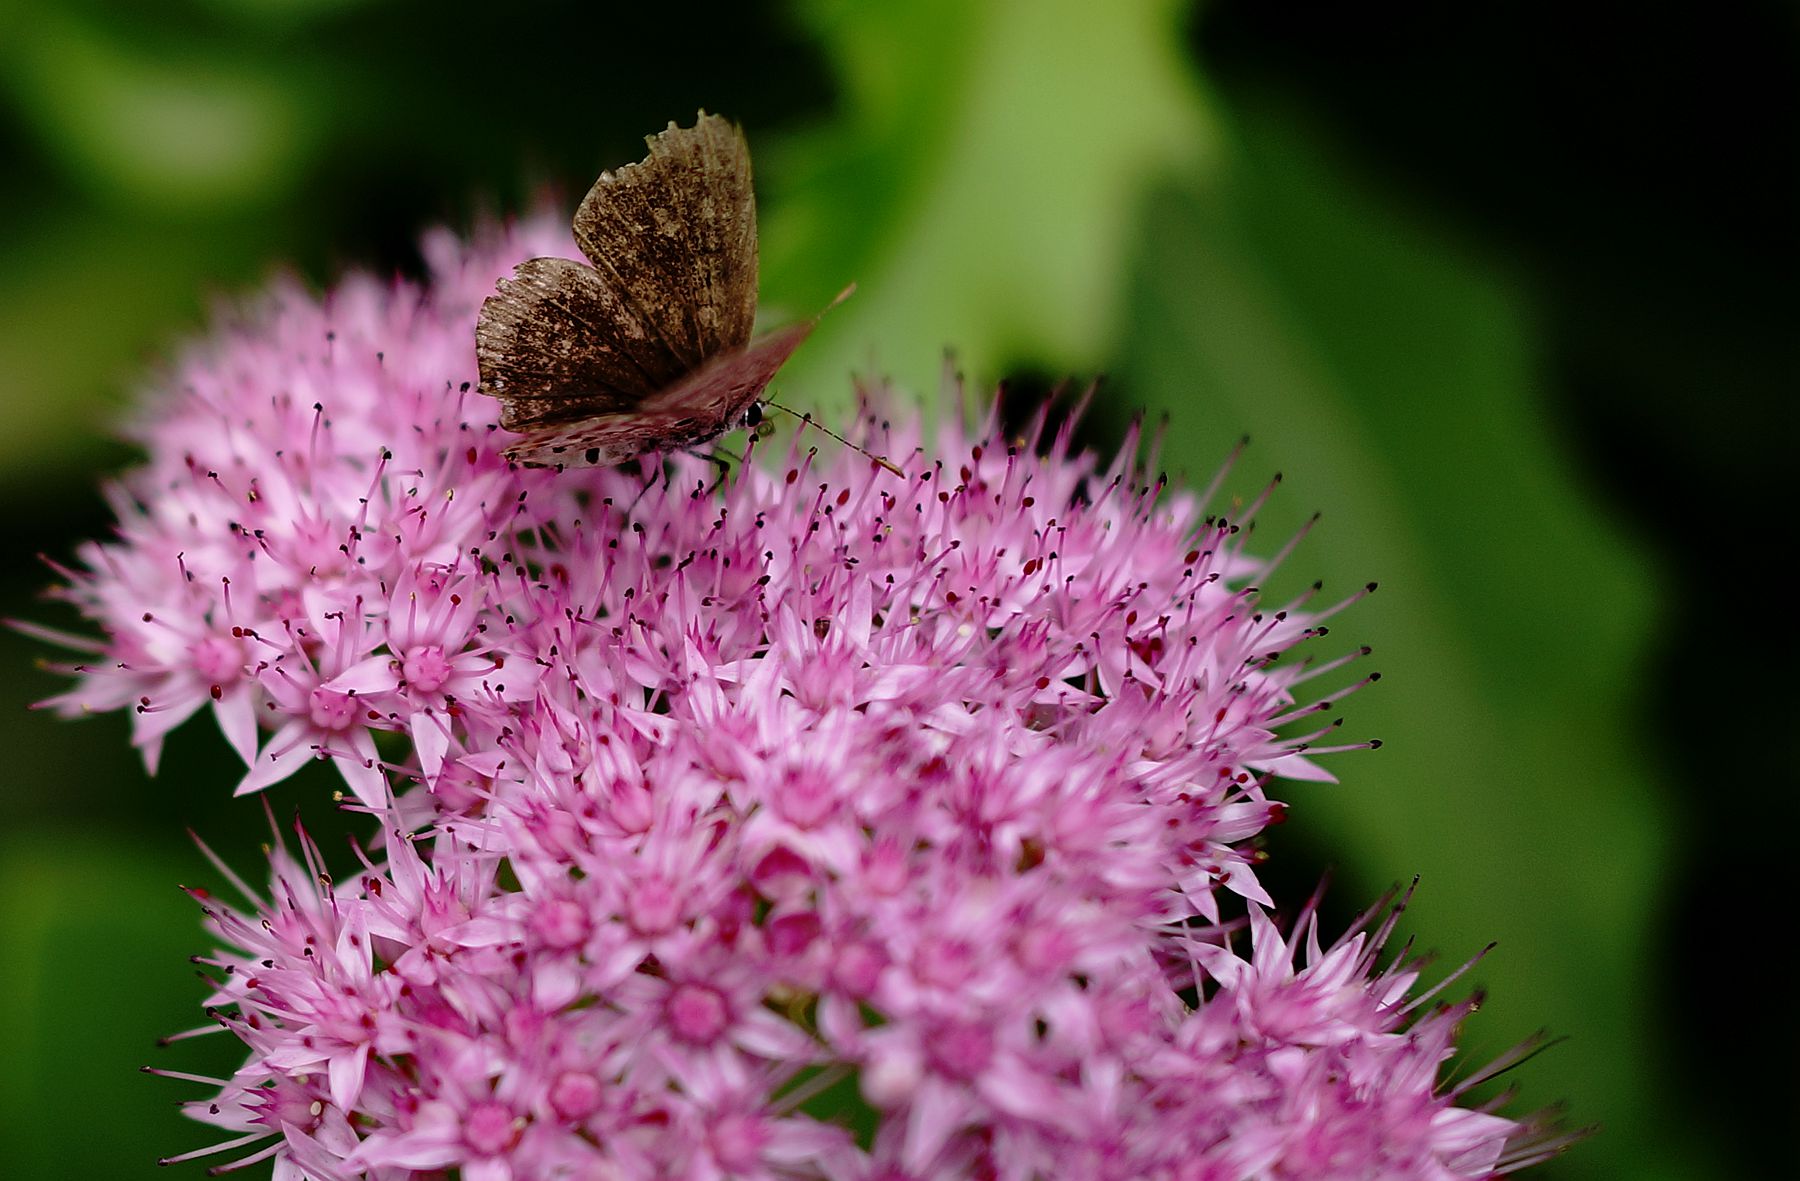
{"x": 809, "y": 420}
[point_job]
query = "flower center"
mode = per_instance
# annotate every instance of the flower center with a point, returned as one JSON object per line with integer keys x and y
{"x": 737, "y": 1141}
{"x": 654, "y": 906}
{"x": 857, "y": 968}
{"x": 331, "y": 709}
{"x": 696, "y": 1013}
{"x": 560, "y": 922}
{"x": 426, "y": 668}
{"x": 489, "y": 1128}
{"x": 217, "y": 660}
{"x": 575, "y": 1095}
{"x": 961, "y": 1050}
{"x": 806, "y": 799}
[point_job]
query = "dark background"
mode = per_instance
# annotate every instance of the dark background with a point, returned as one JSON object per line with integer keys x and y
{"x": 1507, "y": 293}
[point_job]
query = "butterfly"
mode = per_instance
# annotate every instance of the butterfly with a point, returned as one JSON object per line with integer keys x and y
{"x": 649, "y": 348}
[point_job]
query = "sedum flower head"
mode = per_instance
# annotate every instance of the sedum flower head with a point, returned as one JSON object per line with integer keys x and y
{"x": 817, "y": 822}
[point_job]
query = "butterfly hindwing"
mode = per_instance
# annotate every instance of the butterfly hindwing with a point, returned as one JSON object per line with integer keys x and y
{"x": 675, "y": 238}
{"x": 555, "y": 343}
{"x": 710, "y": 401}
{"x": 649, "y": 349}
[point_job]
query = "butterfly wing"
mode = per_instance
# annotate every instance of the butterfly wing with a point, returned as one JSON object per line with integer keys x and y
{"x": 675, "y": 237}
{"x": 556, "y": 343}
{"x": 711, "y": 400}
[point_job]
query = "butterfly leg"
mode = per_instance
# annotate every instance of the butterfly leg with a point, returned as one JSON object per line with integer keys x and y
{"x": 720, "y": 458}
{"x": 657, "y": 472}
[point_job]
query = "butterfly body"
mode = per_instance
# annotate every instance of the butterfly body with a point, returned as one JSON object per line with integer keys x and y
{"x": 650, "y": 347}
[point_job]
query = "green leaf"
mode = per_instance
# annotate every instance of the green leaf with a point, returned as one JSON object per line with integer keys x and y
{"x": 95, "y": 933}
{"x": 979, "y": 183}
{"x": 179, "y": 129}
{"x": 85, "y": 308}
{"x": 1389, "y": 372}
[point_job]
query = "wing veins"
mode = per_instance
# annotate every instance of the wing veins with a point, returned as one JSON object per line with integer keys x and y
{"x": 651, "y": 381}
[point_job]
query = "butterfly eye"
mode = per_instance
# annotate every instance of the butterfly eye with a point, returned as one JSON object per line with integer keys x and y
{"x": 753, "y": 417}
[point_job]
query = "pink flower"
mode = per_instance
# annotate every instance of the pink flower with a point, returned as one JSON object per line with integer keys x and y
{"x": 719, "y": 821}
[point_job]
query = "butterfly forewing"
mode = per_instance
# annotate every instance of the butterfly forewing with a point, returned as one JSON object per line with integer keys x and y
{"x": 675, "y": 235}
{"x": 711, "y": 400}
{"x": 555, "y": 342}
{"x": 649, "y": 349}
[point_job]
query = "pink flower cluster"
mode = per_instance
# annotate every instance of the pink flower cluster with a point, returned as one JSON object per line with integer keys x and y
{"x": 815, "y": 823}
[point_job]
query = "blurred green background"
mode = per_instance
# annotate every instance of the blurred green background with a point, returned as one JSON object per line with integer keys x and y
{"x": 1508, "y": 294}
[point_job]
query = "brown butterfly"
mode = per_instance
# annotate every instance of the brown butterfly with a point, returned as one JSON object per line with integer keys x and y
{"x": 649, "y": 348}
